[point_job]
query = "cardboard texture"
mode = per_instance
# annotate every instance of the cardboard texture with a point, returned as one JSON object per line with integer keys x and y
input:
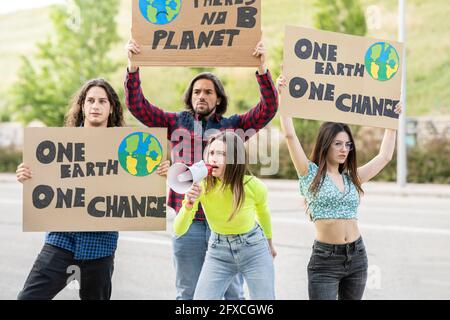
{"x": 328, "y": 79}
{"x": 196, "y": 32}
{"x": 94, "y": 179}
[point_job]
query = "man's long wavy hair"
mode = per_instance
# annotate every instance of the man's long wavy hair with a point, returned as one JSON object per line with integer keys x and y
{"x": 75, "y": 115}
{"x": 235, "y": 169}
{"x": 220, "y": 91}
{"x": 327, "y": 133}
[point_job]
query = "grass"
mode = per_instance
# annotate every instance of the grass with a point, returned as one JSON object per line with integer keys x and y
{"x": 428, "y": 44}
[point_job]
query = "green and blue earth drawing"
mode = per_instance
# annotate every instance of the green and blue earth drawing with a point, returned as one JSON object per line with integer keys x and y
{"x": 140, "y": 154}
{"x": 160, "y": 11}
{"x": 381, "y": 61}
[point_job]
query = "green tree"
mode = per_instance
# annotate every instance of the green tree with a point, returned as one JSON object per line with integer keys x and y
{"x": 85, "y": 31}
{"x": 344, "y": 16}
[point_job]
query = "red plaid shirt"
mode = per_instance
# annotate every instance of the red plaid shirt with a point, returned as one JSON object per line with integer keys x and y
{"x": 186, "y": 124}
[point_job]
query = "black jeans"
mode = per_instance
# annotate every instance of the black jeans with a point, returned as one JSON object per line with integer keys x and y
{"x": 51, "y": 272}
{"x": 337, "y": 271}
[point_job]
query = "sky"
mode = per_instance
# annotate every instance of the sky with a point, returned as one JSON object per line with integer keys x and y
{"x": 8, "y": 6}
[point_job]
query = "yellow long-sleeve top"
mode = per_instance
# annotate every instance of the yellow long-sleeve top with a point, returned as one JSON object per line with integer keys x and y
{"x": 218, "y": 206}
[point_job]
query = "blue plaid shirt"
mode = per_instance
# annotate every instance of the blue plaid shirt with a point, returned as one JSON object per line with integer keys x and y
{"x": 85, "y": 245}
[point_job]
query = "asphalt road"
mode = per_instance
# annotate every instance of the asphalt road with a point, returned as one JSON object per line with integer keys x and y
{"x": 407, "y": 239}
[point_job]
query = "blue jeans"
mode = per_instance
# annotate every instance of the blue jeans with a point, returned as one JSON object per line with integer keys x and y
{"x": 229, "y": 255}
{"x": 337, "y": 271}
{"x": 189, "y": 252}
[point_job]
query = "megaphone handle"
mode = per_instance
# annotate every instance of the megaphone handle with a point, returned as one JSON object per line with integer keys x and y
{"x": 195, "y": 186}
{"x": 189, "y": 203}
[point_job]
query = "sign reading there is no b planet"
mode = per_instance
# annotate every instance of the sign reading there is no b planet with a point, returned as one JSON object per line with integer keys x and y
{"x": 94, "y": 179}
{"x": 341, "y": 78}
{"x": 196, "y": 32}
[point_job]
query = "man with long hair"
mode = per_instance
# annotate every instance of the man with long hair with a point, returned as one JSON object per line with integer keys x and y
{"x": 205, "y": 105}
{"x": 95, "y": 105}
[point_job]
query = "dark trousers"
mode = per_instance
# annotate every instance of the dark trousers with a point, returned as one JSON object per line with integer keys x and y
{"x": 337, "y": 271}
{"x": 55, "y": 267}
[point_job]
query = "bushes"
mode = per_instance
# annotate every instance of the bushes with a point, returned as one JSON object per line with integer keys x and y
{"x": 9, "y": 159}
{"x": 428, "y": 162}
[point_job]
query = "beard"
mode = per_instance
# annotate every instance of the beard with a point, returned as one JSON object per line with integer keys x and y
{"x": 204, "y": 113}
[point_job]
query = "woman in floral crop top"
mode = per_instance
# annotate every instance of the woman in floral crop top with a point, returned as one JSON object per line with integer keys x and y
{"x": 330, "y": 181}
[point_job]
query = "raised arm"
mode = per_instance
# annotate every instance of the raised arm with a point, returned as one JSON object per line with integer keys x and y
{"x": 139, "y": 106}
{"x": 261, "y": 53}
{"x": 296, "y": 151}
{"x": 261, "y": 114}
{"x": 384, "y": 156}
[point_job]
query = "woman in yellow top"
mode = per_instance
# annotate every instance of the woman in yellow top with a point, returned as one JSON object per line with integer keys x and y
{"x": 236, "y": 208}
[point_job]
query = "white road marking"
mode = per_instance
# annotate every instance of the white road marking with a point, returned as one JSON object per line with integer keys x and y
{"x": 377, "y": 227}
{"x": 146, "y": 240}
{"x": 10, "y": 201}
{"x": 435, "y": 231}
{"x": 436, "y": 283}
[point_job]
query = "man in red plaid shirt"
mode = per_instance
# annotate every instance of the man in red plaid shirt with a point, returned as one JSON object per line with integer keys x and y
{"x": 205, "y": 104}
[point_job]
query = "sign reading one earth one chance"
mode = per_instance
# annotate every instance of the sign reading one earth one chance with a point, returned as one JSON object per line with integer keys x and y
{"x": 196, "y": 32}
{"x": 94, "y": 179}
{"x": 341, "y": 78}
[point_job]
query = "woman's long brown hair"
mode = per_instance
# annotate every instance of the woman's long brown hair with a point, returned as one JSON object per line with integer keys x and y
{"x": 327, "y": 133}
{"x": 235, "y": 168}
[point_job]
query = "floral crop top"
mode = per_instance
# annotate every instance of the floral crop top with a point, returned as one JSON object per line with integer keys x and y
{"x": 329, "y": 202}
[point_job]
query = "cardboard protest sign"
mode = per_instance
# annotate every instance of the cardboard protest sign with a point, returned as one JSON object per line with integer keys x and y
{"x": 94, "y": 179}
{"x": 341, "y": 78}
{"x": 196, "y": 32}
